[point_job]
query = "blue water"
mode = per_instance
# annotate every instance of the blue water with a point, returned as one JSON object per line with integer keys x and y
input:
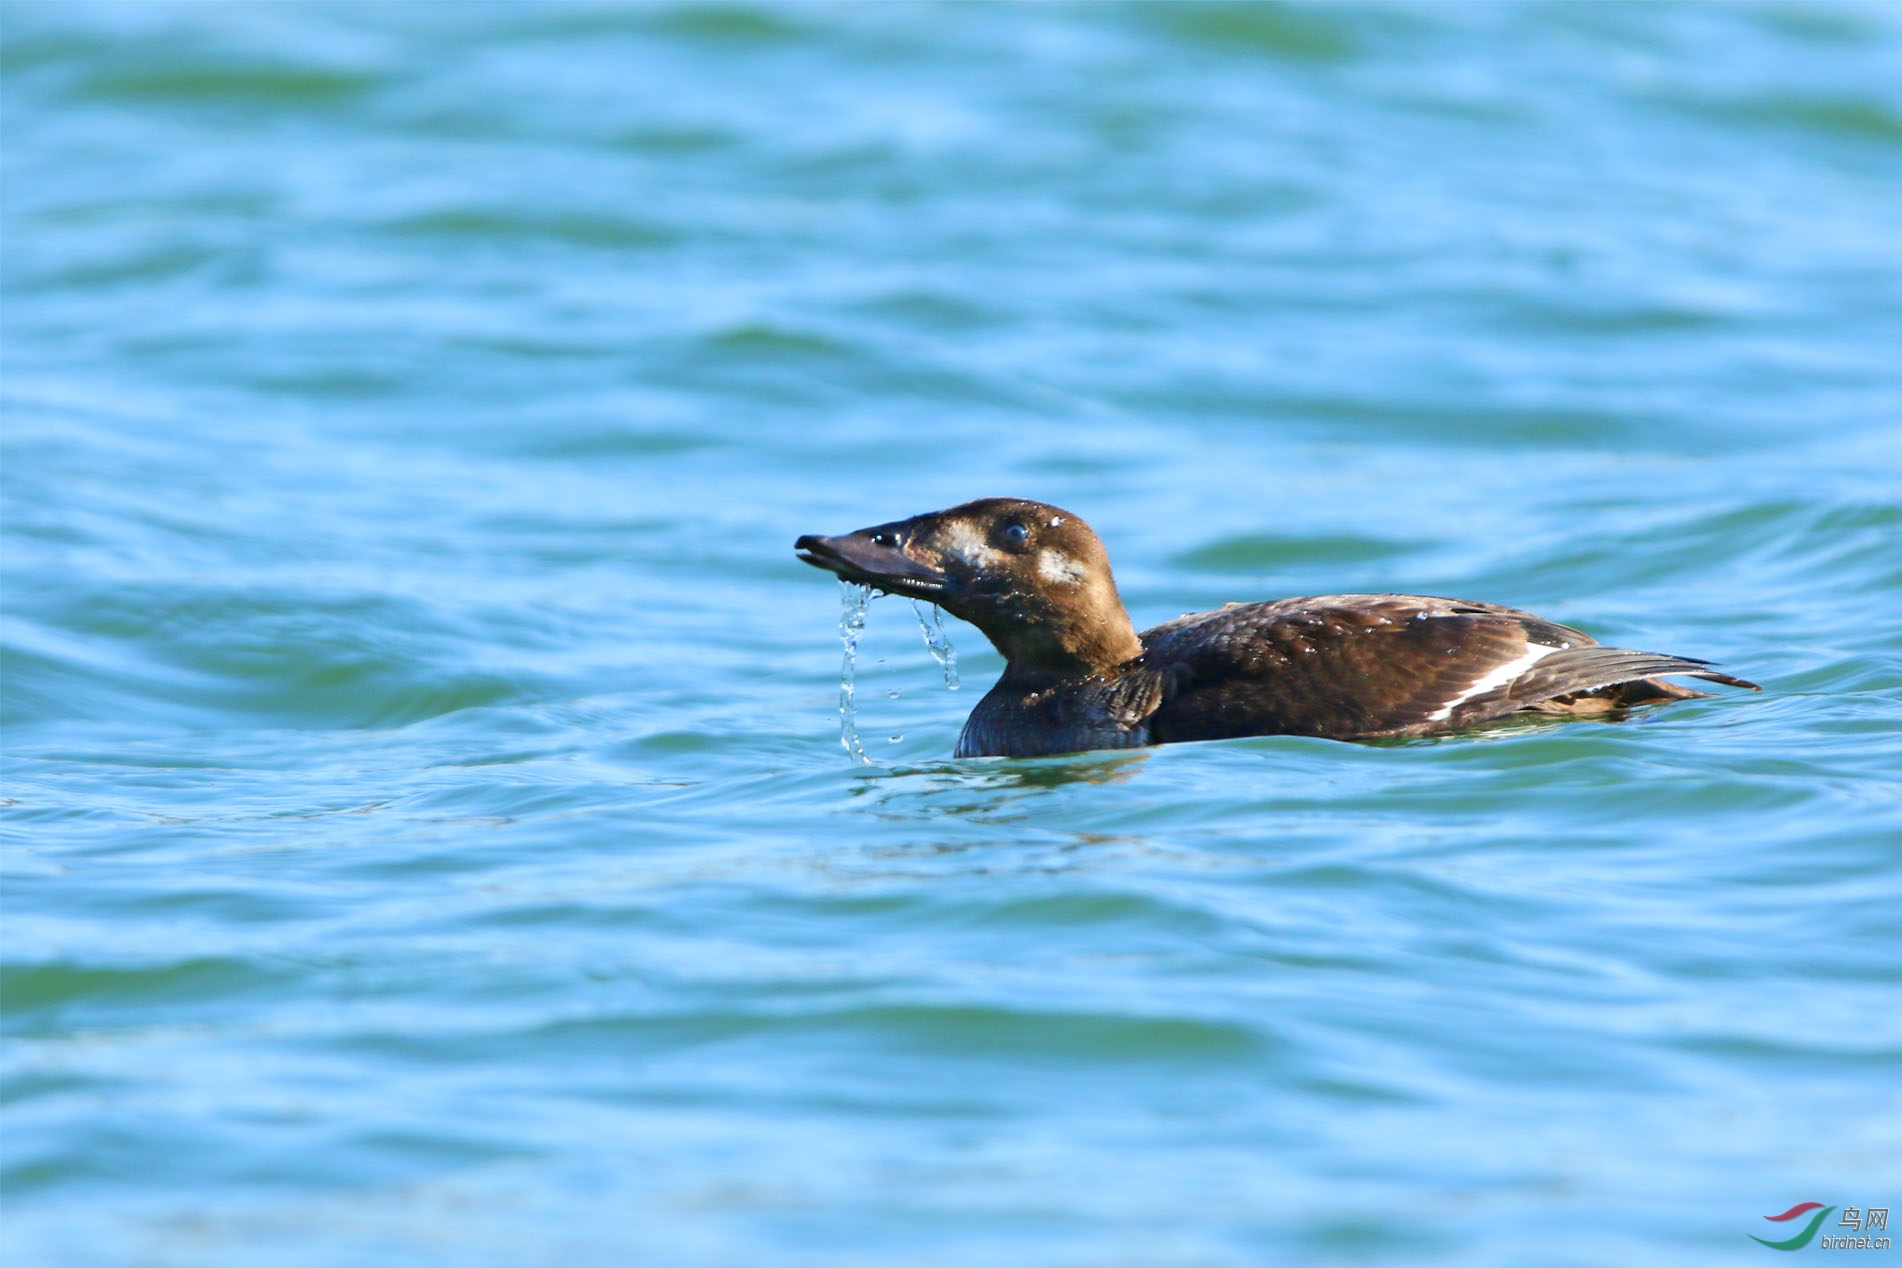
{"x": 427, "y": 836}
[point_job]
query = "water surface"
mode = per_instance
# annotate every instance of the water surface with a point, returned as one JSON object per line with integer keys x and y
{"x": 427, "y": 838}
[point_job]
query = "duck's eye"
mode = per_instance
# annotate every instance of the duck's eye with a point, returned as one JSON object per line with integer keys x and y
{"x": 887, "y": 539}
{"x": 1015, "y": 534}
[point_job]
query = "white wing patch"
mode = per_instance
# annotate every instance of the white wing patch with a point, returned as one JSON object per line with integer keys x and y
{"x": 1498, "y": 677}
{"x": 1058, "y": 568}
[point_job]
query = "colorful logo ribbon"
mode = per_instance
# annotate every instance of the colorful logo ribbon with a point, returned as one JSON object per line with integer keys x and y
{"x": 1802, "y": 1239}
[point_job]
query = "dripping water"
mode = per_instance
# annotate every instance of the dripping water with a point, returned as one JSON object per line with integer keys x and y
{"x": 938, "y": 642}
{"x": 853, "y": 600}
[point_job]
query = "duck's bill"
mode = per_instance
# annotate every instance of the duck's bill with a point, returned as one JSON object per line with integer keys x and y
{"x": 857, "y": 558}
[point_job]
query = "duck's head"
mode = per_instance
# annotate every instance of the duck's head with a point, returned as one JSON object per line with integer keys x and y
{"x": 1033, "y": 577}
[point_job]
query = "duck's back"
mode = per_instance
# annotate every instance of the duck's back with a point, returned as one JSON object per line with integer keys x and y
{"x": 1366, "y": 666}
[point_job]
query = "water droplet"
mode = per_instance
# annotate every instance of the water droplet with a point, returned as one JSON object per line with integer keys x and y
{"x": 853, "y": 600}
{"x": 938, "y": 642}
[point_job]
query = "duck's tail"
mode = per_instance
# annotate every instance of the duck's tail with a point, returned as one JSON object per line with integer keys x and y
{"x": 1612, "y": 696}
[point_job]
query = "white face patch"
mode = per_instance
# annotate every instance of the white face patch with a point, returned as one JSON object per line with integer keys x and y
{"x": 1058, "y": 568}
{"x": 1499, "y": 677}
{"x": 962, "y": 539}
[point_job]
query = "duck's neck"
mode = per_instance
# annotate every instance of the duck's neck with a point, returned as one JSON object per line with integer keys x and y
{"x": 1088, "y": 638}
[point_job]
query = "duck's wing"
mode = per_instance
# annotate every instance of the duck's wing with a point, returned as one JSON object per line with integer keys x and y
{"x": 1365, "y": 666}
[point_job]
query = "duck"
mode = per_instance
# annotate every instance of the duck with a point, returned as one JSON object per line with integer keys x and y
{"x": 1035, "y": 580}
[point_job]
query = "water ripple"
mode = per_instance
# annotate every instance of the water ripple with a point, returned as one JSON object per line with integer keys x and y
{"x": 424, "y": 834}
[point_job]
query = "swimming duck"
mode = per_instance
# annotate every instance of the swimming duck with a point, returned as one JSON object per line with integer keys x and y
{"x": 1036, "y": 580}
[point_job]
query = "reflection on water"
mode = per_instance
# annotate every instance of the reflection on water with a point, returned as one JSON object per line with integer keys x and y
{"x": 987, "y": 789}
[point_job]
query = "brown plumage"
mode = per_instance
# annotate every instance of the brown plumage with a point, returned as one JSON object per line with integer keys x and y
{"x": 1036, "y": 580}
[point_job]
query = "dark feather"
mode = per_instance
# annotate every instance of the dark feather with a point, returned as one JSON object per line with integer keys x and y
{"x": 1372, "y": 666}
